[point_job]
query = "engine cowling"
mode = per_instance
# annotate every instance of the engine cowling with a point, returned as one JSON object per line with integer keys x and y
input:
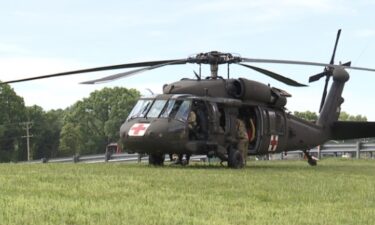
{"x": 244, "y": 89}
{"x": 254, "y": 91}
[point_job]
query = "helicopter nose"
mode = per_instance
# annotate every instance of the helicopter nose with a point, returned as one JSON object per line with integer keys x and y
{"x": 157, "y": 136}
{"x": 138, "y": 132}
{"x": 138, "y": 129}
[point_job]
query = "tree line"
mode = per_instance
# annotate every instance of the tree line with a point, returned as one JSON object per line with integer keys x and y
{"x": 83, "y": 128}
{"x": 313, "y": 116}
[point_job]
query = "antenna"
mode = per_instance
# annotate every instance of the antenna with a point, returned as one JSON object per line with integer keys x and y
{"x": 148, "y": 89}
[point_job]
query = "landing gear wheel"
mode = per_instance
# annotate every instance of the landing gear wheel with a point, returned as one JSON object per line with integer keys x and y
{"x": 235, "y": 159}
{"x": 156, "y": 159}
{"x": 184, "y": 162}
{"x": 312, "y": 161}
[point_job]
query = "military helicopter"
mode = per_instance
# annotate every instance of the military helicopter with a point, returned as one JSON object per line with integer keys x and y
{"x": 159, "y": 125}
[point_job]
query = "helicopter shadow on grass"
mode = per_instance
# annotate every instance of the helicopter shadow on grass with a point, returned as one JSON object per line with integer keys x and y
{"x": 250, "y": 166}
{"x": 200, "y": 166}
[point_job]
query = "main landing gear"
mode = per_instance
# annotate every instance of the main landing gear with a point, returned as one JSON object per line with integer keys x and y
{"x": 235, "y": 159}
{"x": 310, "y": 159}
{"x": 156, "y": 159}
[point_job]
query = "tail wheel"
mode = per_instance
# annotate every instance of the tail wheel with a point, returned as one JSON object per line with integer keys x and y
{"x": 156, "y": 159}
{"x": 235, "y": 159}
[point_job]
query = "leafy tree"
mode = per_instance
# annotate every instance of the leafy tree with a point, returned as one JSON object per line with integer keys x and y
{"x": 347, "y": 117}
{"x": 312, "y": 116}
{"x": 46, "y": 127}
{"x": 307, "y": 115}
{"x": 70, "y": 142}
{"x": 54, "y": 122}
{"x": 95, "y": 121}
{"x": 12, "y": 113}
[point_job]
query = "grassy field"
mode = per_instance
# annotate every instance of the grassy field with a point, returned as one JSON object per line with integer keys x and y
{"x": 265, "y": 192}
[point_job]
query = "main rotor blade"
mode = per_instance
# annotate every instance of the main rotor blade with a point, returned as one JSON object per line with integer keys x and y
{"x": 132, "y": 72}
{"x": 324, "y": 93}
{"x": 334, "y": 49}
{"x": 347, "y": 63}
{"x": 294, "y": 62}
{"x": 356, "y": 68}
{"x": 96, "y": 69}
{"x": 275, "y": 76}
{"x": 278, "y": 61}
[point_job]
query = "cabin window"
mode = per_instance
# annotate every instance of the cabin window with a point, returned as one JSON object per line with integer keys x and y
{"x": 280, "y": 123}
{"x": 276, "y": 122}
{"x": 140, "y": 109}
{"x": 272, "y": 119}
{"x": 156, "y": 108}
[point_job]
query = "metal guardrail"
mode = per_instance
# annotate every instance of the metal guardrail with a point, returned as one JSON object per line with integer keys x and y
{"x": 328, "y": 149}
{"x": 342, "y": 149}
{"x": 102, "y": 158}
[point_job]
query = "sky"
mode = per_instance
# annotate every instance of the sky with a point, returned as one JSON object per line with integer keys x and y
{"x": 38, "y": 37}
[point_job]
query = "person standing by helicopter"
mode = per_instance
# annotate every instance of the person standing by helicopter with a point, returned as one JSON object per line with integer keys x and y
{"x": 192, "y": 120}
{"x": 192, "y": 125}
{"x": 242, "y": 137}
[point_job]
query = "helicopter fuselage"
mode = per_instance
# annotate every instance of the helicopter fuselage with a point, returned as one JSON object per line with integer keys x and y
{"x": 160, "y": 124}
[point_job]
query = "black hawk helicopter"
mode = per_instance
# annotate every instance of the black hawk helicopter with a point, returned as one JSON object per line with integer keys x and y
{"x": 159, "y": 125}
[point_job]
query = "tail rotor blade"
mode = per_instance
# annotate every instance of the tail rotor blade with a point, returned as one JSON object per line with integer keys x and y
{"x": 334, "y": 49}
{"x": 317, "y": 77}
{"x": 324, "y": 95}
{"x": 328, "y": 71}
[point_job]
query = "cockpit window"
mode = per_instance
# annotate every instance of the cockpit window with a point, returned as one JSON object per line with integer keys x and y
{"x": 177, "y": 109}
{"x": 168, "y": 108}
{"x": 183, "y": 111}
{"x": 156, "y": 108}
{"x": 141, "y": 108}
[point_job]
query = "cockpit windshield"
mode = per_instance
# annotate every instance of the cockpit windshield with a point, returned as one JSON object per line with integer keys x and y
{"x": 141, "y": 108}
{"x": 177, "y": 109}
{"x": 156, "y": 108}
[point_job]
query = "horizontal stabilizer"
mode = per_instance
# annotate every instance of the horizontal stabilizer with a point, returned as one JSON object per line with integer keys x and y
{"x": 342, "y": 130}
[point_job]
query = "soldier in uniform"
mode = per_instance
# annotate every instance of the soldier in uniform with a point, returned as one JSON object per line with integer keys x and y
{"x": 192, "y": 120}
{"x": 192, "y": 125}
{"x": 243, "y": 141}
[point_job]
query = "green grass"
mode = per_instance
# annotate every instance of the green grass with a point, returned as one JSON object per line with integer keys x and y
{"x": 265, "y": 192}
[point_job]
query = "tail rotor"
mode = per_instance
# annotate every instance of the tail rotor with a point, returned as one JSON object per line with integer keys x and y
{"x": 328, "y": 72}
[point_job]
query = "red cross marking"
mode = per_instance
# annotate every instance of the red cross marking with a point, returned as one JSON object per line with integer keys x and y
{"x": 136, "y": 129}
{"x": 273, "y": 143}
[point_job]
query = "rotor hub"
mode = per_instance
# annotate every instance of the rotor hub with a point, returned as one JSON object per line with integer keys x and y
{"x": 214, "y": 58}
